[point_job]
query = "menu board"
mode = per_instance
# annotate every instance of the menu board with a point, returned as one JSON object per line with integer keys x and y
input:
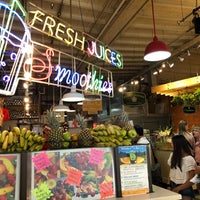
{"x": 73, "y": 174}
{"x": 9, "y": 176}
{"x": 133, "y": 170}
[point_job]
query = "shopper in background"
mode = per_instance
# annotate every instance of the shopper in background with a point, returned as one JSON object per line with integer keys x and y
{"x": 141, "y": 138}
{"x": 182, "y": 168}
{"x": 154, "y": 164}
{"x": 196, "y": 134}
{"x": 183, "y": 130}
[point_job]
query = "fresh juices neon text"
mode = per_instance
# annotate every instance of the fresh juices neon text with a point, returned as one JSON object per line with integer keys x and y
{"x": 53, "y": 27}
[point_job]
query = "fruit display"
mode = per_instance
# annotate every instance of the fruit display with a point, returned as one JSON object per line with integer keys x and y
{"x": 8, "y": 164}
{"x": 55, "y": 137}
{"x": 85, "y": 138}
{"x": 112, "y": 136}
{"x": 18, "y": 140}
{"x": 92, "y": 175}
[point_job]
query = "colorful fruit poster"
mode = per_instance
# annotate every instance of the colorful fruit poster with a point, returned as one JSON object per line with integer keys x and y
{"x": 133, "y": 170}
{"x": 9, "y": 176}
{"x": 73, "y": 174}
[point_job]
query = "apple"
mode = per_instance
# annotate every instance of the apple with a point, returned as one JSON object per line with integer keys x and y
{"x": 67, "y": 136}
{"x": 132, "y": 133}
{"x": 65, "y": 144}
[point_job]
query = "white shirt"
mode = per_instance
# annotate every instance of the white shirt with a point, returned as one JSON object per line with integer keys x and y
{"x": 143, "y": 140}
{"x": 178, "y": 176}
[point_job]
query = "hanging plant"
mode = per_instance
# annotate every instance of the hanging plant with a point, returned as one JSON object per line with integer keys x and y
{"x": 197, "y": 96}
{"x": 188, "y": 99}
{"x": 177, "y": 100}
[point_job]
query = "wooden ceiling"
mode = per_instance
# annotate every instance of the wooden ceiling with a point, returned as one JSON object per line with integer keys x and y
{"x": 127, "y": 27}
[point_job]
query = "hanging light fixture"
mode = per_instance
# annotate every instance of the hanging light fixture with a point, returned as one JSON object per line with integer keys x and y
{"x": 61, "y": 107}
{"x": 73, "y": 96}
{"x": 156, "y": 50}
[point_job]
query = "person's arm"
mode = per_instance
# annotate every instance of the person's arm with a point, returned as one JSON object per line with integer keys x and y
{"x": 197, "y": 170}
{"x": 187, "y": 184}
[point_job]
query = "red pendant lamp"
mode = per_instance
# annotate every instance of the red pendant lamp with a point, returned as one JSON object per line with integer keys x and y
{"x": 156, "y": 50}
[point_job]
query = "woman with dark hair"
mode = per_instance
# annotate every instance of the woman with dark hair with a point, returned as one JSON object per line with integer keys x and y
{"x": 183, "y": 130}
{"x": 182, "y": 168}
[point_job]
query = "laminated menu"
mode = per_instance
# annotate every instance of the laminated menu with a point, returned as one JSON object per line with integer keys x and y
{"x": 133, "y": 170}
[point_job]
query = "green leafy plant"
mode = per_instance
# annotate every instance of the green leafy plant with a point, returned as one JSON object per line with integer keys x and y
{"x": 176, "y": 100}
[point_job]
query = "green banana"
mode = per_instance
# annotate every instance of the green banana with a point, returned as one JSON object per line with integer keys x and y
{"x": 13, "y": 148}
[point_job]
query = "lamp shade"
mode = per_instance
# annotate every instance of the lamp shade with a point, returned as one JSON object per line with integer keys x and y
{"x": 156, "y": 51}
{"x": 60, "y": 107}
{"x": 73, "y": 96}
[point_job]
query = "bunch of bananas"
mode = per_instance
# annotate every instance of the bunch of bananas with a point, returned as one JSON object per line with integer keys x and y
{"x": 18, "y": 140}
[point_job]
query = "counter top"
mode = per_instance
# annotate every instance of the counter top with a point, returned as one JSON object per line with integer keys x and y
{"x": 157, "y": 194}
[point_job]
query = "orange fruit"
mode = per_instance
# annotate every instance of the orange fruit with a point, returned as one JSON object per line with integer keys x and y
{"x": 125, "y": 160}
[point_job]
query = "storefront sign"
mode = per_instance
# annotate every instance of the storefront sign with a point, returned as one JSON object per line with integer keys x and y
{"x": 54, "y": 27}
{"x": 48, "y": 65}
{"x": 47, "y": 71}
{"x": 13, "y": 45}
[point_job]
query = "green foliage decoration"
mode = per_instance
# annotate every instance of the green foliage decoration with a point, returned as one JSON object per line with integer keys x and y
{"x": 186, "y": 99}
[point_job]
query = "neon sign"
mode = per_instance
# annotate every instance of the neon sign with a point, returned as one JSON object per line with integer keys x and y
{"x": 12, "y": 13}
{"x": 42, "y": 69}
{"x": 53, "y": 26}
{"x": 88, "y": 81}
{"x": 47, "y": 72}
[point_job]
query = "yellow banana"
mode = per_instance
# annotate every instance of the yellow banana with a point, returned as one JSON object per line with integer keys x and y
{"x": 23, "y": 131}
{"x": 6, "y": 190}
{"x": 39, "y": 139}
{"x": 21, "y": 140}
{"x": 3, "y": 135}
{"x": 15, "y": 137}
{"x": 16, "y": 129}
{"x": 38, "y": 147}
{"x": 35, "y": 138}
{"x": 30, "y": 143}
{"x": 32, "y": 148}
{"x": 28, "y": 133}
{"x": 10, "y": 137}
{"x": 30, "y": 138}
{"x": 5, "y": 143}
{"x": 25, "y": 145}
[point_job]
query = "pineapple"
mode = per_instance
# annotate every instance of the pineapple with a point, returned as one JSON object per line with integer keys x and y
{"x": 55, "y": 137}
{"x": 125, "y": 123}
{"x": 85, "y": 138}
